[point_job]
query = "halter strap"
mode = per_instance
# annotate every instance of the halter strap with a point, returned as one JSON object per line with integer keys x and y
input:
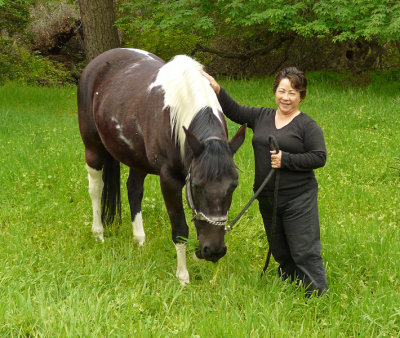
{"x": 212, "y": 138}
{"x": 219, "y": 221}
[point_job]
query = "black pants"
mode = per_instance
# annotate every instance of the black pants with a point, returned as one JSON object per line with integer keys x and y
{"x": 295, "y": 239}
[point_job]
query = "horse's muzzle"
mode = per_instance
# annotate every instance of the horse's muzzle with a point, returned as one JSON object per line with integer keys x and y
{"x": 211, "y": 253}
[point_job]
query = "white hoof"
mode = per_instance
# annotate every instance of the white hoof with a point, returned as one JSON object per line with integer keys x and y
{"x": 98, "y": 236}
{"x": 181, "y": 271}
{"x": 140, "y": 240}
{"x": 138, "y": 230}
{"x": 183, "y": 277}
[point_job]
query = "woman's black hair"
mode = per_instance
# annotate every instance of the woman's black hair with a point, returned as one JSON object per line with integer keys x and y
{"x": 296, "y": 77}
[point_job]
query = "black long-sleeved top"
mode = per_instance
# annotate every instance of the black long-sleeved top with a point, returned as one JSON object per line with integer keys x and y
{"x": 301, "y": 142}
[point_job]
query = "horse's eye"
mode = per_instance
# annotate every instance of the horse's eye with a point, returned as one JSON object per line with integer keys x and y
{"x": 196, "y": 183}
{"x": 196, "y": 186}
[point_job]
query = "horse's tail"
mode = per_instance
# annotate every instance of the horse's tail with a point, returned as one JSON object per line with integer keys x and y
{"x": 111, "y": 196}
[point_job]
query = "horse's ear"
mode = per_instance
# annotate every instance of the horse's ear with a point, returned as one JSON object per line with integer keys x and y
{"x": 196, "y": 146}
{"x": 238, "y": 139}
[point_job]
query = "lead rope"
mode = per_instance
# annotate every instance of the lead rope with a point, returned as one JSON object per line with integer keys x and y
{"x": 230, "y": 226}
{"x": 273, "y": 222}
{"x": 274, "y": 145}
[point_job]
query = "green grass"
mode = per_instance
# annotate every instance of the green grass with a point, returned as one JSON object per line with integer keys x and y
{"x": 56, "y": 280}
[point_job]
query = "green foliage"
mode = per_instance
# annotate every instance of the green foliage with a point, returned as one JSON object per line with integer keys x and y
{"x": 17, "y": 63}
{"x": 337, "y": 19}
{"x": 14, "y": 15}
{"x": 17, "y": 60}
{"x": 165, "y": 45}
{"x": 353, "y": 19}
{"x": 150, "y": 30}
{"x": 167, "y": 16}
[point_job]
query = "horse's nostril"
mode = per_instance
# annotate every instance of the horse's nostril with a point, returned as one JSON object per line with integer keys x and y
{"x": 212, "y": 253}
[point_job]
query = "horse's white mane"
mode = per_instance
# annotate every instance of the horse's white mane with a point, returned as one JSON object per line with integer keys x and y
{"x": 186, "y": 91}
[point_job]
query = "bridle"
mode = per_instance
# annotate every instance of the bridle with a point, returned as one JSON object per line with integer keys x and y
{"x": 200, "y": 216}
{"x": 221, "y": 221}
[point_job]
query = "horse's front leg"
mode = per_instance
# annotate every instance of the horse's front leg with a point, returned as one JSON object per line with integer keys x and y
{"x": 171, "y": 188}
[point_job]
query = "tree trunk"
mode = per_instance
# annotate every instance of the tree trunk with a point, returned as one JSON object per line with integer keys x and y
{"x": 99, "y": 31}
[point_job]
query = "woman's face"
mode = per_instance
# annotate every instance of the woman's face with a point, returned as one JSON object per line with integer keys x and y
{"x": 287, "y": 98}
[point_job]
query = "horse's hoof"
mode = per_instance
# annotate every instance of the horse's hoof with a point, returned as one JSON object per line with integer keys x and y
{"x": 184, "y": 281}
{"x": 98, "y": 236}
{"x": 140, "y": 240}
{"x": 183, "y": 277}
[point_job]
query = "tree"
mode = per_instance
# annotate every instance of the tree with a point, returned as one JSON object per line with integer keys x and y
{"x": 338, "y": 20}
{"x": 14, "y": 16}
{"x": 99, "y": 32}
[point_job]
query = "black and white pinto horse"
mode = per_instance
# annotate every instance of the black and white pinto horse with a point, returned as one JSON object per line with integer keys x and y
{"x": 163, "y": 119}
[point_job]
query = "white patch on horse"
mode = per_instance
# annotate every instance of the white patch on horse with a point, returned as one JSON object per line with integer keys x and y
{"x": 123, "y": 138}
{"x": 95, "y": 190}
{"x": 186, "y": 91}
{"x": 138, "y": 230}
{"x": 131, "y": 68}
{"x": 120, "y": 133}
{"x": 139, "y": 129}
{"x": 181, "y": 271}
{"x": 140, "y": 52}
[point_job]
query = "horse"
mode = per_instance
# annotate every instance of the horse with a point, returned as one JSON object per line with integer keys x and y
{"x": 159, "y": 118}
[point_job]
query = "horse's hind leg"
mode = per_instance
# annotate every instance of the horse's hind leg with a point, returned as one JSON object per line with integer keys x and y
{"x": 95, "y": 190}
{"x": 135, "y": 195}
{"x": 96, "y": 185}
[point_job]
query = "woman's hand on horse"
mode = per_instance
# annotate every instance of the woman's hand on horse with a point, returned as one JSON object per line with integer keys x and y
{"x": 276, "y": 159}
{"x": 214, "y": 84}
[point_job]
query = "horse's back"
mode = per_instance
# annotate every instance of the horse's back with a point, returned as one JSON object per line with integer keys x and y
{"x": 115, "y": 105}
{"x": 116, "y": 65}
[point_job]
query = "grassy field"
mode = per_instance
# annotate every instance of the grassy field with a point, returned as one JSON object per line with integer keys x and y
{"x": 56, "y": 280}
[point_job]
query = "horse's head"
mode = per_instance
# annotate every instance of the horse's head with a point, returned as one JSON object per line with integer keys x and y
{"x": 211, "y": 181}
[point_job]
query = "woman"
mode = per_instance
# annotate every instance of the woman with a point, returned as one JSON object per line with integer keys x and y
{"x": 295, "y": 239}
